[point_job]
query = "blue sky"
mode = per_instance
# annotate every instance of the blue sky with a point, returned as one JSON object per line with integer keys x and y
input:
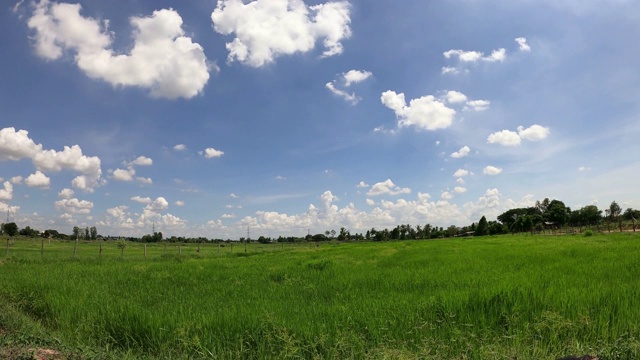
{"x": 206, "y": 118}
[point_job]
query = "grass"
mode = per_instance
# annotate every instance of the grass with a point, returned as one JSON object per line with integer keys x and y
{"x": 507, "y": 297}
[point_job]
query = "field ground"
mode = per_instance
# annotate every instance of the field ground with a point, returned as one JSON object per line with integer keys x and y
{"x": 505, "y": 297}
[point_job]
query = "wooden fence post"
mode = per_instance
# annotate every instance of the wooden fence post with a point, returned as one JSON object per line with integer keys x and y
{"x": 100, "y": 253}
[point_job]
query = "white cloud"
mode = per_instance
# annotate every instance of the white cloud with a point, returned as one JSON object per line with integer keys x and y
{"x": 491, "y": 170}
{"x": 118, "y": 212}
{"x": 355, "y": 76}
{"x": 161, "y": 59}
{"x": 6, "y": 193}
{"x": 124, "y": 175}
{"x": 461, "y": 173}
{"x": 233, "y": 196}
{"x": 266, "y": 29}
{"x": 477, "y": 105}
{"x": 460, "y": 181}
{"x": 370, "y": 202}
{"x": 464, "y": 151}
{"x": 351, "y": 98}
{"x": 454, "y": 97}
{"x": 511, "y": 138}
{"x": 425, "y": 113}
{"x": 505, "y": 138}
{"x": 533, "y": 133}
{"x": 211, "y": 153}
{"x": 144, "y": 180}
{"x": 141, "y": 200}
{"x": 65, "y": 194}
{"x": 450, "y": 70}
{"x": 16, "y": 145}
{"x": 584, "y": 168}
{"x": 142, "y": 161}
{"x": 346, "y": 79}
{"x": 180, "y": 147}
{"x": 475, "y": 56}
{"x": 179, "y": 203}
{"x": 16, "y": 180}
{"x": 522, "y": 43}
{"x": 362, "y": 184}
{"x": 74, "y": 206}
{"x": 446, "y": 195}
{"x": 459, "y": 189}
{"x": 38, "y": 179}
{"x": 158, "y": 204}
{"x": 465, "y": 56}
{"x": 387, "y": 187}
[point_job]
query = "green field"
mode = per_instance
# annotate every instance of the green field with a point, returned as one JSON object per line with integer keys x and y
{"x": 506, "y": 297}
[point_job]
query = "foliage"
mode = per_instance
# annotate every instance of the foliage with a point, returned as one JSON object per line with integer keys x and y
{"x": 10, "y": 229}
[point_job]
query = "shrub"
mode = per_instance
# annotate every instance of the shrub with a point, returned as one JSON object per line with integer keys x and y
{"x": 588, "y": 232}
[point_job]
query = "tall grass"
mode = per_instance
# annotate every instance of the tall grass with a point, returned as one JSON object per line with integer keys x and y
{"x": 502, "y": 297}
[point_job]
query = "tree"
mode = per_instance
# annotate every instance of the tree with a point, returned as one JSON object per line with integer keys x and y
{"x": 10, "y": 229}
{"x": 482, "y": 228}
{"x": 93, "y": 233}
{"x": 76, "y": 232}
{"x": 556, "y": 212}
{"x": 614, "y": 213}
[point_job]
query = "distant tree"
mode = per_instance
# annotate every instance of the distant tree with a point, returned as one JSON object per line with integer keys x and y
{"x": 590, "y": 214}
{"x": 76, "y": 232}
{"x": 482, "y": 228}
{"x": 93, "y": 233}
{"x": 452, "y": 231}
{"x": 556, "y": 212}
{"x": 28, "y": 231}
{"x": 344, "y": 234}
{"x": 614, "y": 213}
{"x": 333, "y": 234}
{"x": 10, "y": 229}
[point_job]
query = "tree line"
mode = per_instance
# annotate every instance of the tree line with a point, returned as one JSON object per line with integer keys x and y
{"x": 545, "y": 215}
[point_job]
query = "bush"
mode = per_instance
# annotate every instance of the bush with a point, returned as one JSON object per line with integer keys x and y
{"x": 588, "y": 232}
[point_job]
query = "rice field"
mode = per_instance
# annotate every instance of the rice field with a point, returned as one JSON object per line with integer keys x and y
{"x": 506, "y": 297}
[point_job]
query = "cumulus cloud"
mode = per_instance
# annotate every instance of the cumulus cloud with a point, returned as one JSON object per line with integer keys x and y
{"x": 141, "y": 200}
{"x": 511, "y": 138}
{"x": 345, "y": 80}
{"x": 454, "y": 97}
{"x": 161, "y": 58}
{"x": 533, "y": 133}
{"x": 158, "y": 204}
{"x": 522, "y": 43}
{"x": 266, "y": 29}
{"x": 459, "y": 189}
{"x": 74, "y": 206}
{"x": 142, "y": 161}
{"x": 464, "y": 151}
{"x": 424, "y": 113}
{"x": 475, "y": 56}
{"x": 180, "y": 147}
{"x": 211, "y": 153}
{"x": 355, "y": 76}
{"x": 6, "y": 193}
{"x": 491, "y": 170}
{"x": 387, "y": 187}
{"x": 124, "y": 175}
{"x": 362, "y": 184}
{"x": 505, "y": 138}
{"x": 38, "y": 179}
{"x": 16, "y": 145}
{"x": 65, "y": 194}
{"x": 179, "y": 203}
{"x": 461, "y": 173}
{"x": 16, "y": 180}
{"x": 477, "y": 105}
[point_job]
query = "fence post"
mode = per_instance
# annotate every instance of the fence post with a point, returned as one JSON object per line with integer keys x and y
{"x": 75, "y": 248}
{"x": 145, "y": 251}
{"x": 100, "y": 253}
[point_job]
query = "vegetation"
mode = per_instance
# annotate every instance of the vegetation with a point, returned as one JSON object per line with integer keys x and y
{"x": 513, "y": 296}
